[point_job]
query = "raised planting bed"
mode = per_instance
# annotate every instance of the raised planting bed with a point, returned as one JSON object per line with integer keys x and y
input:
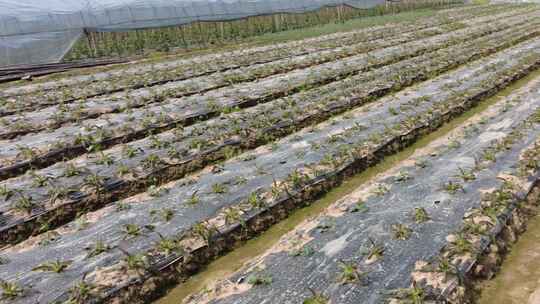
{"x": 370, "y": 245}
{"x": 43, "y": 149}
{"x": 167, "y": 233}
{"x": 87, "y": 86}
{"x": 307, "y": 71}
{"x": 475, "y": 251}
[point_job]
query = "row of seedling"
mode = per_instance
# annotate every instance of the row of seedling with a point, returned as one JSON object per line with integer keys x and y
{"x": 490, "y": 227}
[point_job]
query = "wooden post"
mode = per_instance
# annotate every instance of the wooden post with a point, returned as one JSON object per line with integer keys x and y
{"x": 222, "y": 30}
{"x": 91, "y": 42}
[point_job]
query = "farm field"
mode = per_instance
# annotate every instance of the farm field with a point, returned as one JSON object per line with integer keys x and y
{"x": 117, "y": 185}
{"x": 401, "y": 226}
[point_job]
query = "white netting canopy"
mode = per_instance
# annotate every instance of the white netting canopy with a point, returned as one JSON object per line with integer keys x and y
{"x": 42, "y": 31}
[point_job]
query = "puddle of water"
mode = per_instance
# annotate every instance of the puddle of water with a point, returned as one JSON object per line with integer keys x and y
{"x": 233, "y": 261}
{"x": 518, "y": 282}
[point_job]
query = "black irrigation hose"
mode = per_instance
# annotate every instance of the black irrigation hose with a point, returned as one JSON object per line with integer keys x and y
{"x": 28, "y": 71}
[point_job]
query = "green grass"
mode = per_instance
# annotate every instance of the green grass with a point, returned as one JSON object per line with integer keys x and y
{"x": 349, "y": 25}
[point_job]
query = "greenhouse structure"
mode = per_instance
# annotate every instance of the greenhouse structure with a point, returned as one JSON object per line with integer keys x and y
{"x": 35, "y": 31}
